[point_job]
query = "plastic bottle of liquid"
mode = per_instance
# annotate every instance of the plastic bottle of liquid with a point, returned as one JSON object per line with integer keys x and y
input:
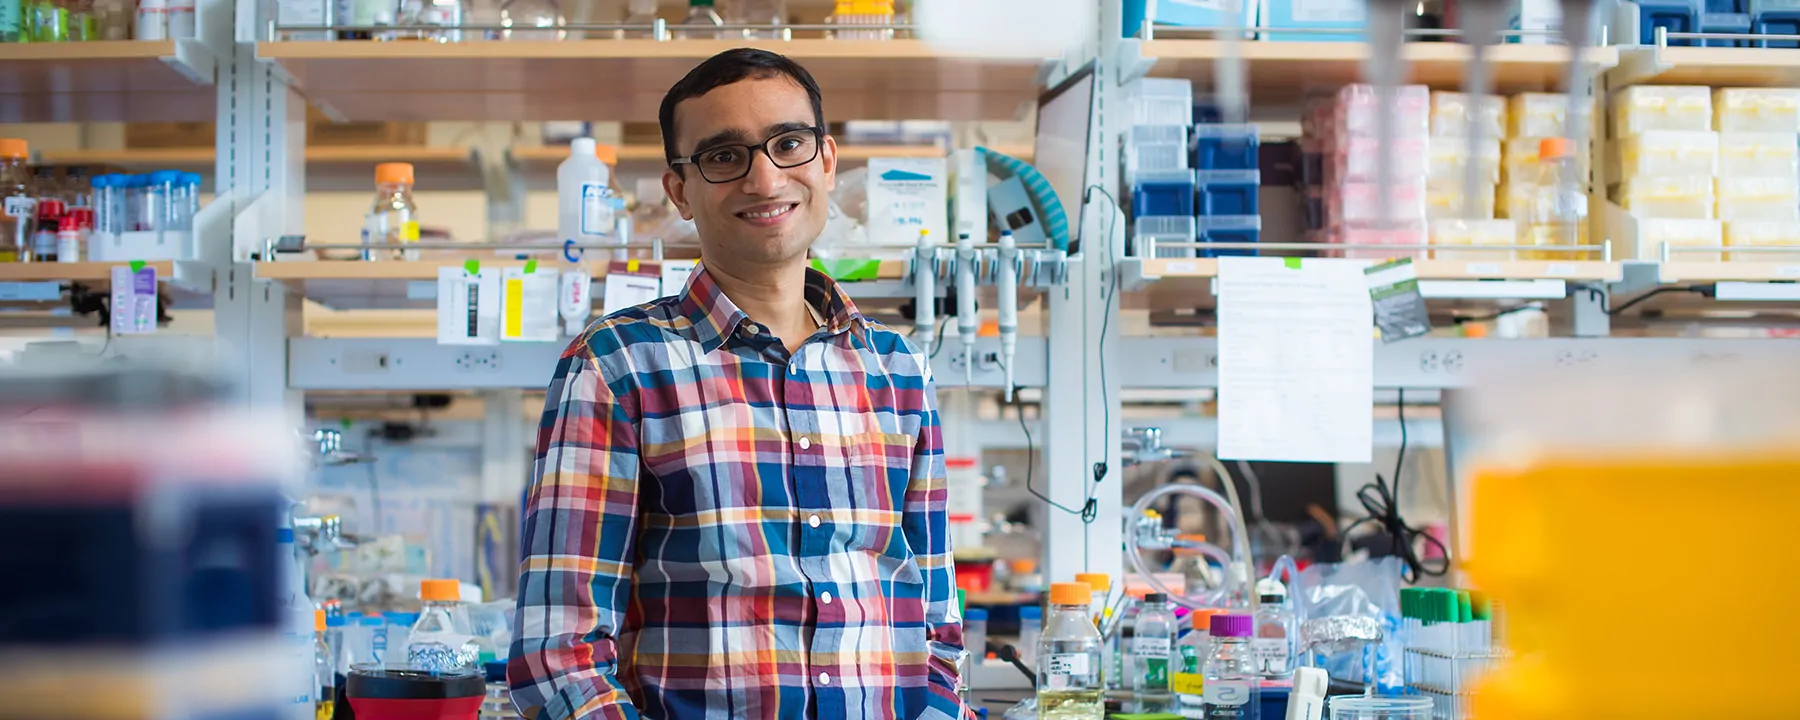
{"x": 702, "y": 15}
{"x": 1152, "y": 646}
{"x": 1031, "y": 630}
{"x": 585, "y": 203}
{"x": 43, "y": 240}
{"x": 1070, "y": 684}
{"x": 1100, "y": 586}
{"x": 975, "y": 622}
{"x": 1232, "y": 684}
{"x": 1559, "y": 202}
{"x": 181, "y": 19}
{"x": 84, "y": 24}
{"x": 1197, "y": 643}
{"x": 760, "y": 12}
{"x": 48, "y": 20}
{"x": 152, "y": 20}
{"x": 18, "y": 199}
{"x": 12, "y": 21}
{"x": 323, "y": 670}
{"x": 72, "y": 240}
{"x": 1274, "y": 643}
{"x": 393, "y": 219}
{"x": 443, "y": 638}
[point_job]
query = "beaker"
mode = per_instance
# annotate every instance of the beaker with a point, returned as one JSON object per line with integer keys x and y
{"x": 1355, "y": 707}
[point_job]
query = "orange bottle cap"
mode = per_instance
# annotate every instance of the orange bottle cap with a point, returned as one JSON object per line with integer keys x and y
{"x": 1555, "y": 147}
{"x": 318, "y": 621}
{"x": 1075, "y": 593}
{"x": 392, "y": 173}
{"x": 1097, "y": 581}
{"x": 14, "y": 148}
{"x": 1203, "y": 617}
{"x": 608, "y": 154}
{"x": 440, "y": 590}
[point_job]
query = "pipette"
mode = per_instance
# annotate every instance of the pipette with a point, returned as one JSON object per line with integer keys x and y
{"x": 967, "y": 324}
{"x": 1481, "y": 21}
{"x": 924, "y": 277}
{"x": 1007, "y": 284}
{"x": 1387, "y": 20}
{"x": 1577, "y": 30}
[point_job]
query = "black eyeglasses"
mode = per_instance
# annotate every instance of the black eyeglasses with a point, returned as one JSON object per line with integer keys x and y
{"x": 725, "y": 163}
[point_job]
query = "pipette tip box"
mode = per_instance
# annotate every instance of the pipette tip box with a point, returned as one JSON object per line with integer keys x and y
{"x": 1149, "y": 230}
{"x": 1220, "y": 146}
{"x": 1227, "y": 192}
{"x": 1229, "y": 229}
{"x": 1163, "y": 192}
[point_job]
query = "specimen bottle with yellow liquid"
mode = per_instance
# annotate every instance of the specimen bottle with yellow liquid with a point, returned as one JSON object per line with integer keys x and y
{"x": 1559, "y": 206}
{"x": 1070, "y": 684}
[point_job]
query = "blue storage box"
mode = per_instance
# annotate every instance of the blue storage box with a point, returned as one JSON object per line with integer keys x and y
{"x": 1155, "y": 229}
{"x": 1774, "y": 17}
{"x": 1229, "y": 229}
{"x": 1678, "y": 17}
{"x": 1163, "y": 192}
{"x": 1735, "y": 23}
{"x": 1225, "y": 147}
{"x": 1227, "y": 192}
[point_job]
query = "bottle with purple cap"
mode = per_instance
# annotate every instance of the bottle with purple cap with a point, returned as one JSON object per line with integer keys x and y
{"x": 1232, "y": 683}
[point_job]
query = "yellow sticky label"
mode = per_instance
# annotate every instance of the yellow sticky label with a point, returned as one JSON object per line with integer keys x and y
{"x": 6, "y": 257}
{"x": 631, "y": 265}
{"x": 1187, "y": 684}
{"x": 515, "y": 309}
{"x": 410, "y": 231}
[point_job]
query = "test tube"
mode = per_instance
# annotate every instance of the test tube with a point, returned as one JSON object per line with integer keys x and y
{"x": 135, "y": 217}
{"x": 159, "y": 199}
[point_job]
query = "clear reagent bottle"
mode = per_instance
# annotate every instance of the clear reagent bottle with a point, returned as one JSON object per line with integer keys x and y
{"x": 701, "y": 23}
{"x": 1233, "y": 690}
{"x": 1152, "y": 645}
{"x": 1070, "y": 686}
{"x": 393, "y": 219}
{"x": 443, "y": 638}
{"x": 1559, "y": 203}
{"x": 1274, "y": 642}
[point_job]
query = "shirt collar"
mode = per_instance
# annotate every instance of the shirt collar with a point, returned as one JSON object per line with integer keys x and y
{"x": 712, "y": 317}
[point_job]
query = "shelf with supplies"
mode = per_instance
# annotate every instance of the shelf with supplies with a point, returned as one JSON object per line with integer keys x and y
{"x": 1660, "y": 63}
{"x": 525, "y": 80}
{"x": 38, "y": 281}
{"x": 106, "y": 81}
{"x": 537, "y": 156}
{"x": 1286, "y": 70}
{"x": 1180, "y": 283}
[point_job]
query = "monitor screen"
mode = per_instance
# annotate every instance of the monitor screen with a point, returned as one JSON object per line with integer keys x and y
{"x": 1060, "y": 154}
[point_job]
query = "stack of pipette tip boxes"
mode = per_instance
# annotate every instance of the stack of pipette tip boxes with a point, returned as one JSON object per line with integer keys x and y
{"x": 1461, "y": 216}
{"x": 1345, "y": 139}
{"x": 1190, "y": 182}
{"x": 1759, "y": 170}
{"x": 1532, "y": 118}
{"x": 1448, "y": 639}
{"x": 1665, "y": 159}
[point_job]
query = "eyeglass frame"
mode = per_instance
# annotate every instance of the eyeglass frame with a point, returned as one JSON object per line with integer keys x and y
{"x": 750, "y": 150}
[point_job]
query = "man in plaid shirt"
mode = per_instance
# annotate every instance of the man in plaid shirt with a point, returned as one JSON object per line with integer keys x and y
{"x": 737, "y": 509}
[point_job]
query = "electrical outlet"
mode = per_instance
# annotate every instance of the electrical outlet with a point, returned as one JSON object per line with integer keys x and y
{"x": 987, "y": 361}
{"x": 483, "y": 361}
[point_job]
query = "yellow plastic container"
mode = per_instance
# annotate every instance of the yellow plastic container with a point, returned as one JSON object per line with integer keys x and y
{"x": 1649, "y": 196}
{"x": 1770, "y": 110}
{"x": 1654, "y": 234}
{"x": 1445, "y": 200}
{"x": 1762, "y": 154}
{"x": 1449, "y": 156}
{"x": 1452, "y": 235}
{"x": 1540, "y": 114}
{"x": 1758, "y": 198}
{"x": 1661, "y": 107}
{"x": 1762, "y": 233}
{"x": 1452, "y": 112}
{"x": 1668, "y": 152}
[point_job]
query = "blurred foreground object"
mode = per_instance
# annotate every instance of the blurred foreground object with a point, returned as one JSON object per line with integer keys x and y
{"x": 1603, "y": 495}
{"x": 143, "y": 573}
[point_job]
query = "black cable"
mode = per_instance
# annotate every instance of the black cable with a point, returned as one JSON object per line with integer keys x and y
{"x": 1496, "y": 315}
{"x": 1704, "y": 289}
{"x": 1101, "y": 468}
{"x": 938, "y": 344}
{"x": 1383, "y": 504}
{"x": 1090, "y": 508}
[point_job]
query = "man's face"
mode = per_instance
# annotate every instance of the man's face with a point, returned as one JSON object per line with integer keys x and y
{"x": 772, "y": 215}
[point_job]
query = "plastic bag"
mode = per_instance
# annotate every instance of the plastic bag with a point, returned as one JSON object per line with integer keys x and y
{"x": 1370, "y": 589}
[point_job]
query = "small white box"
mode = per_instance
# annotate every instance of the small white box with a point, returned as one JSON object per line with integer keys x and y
{"x": 907, "y": 195}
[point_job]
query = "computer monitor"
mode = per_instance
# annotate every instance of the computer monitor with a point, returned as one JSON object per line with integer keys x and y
{"x": 1064, "y": 120}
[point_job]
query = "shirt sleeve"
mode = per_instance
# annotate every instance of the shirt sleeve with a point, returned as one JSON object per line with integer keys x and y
{"x": 928, "y": 534}
{"x": 578, "y": 538}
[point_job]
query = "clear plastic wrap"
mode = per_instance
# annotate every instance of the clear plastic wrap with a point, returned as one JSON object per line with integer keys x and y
{"x": 1445, "y": 200}
{"x": 1452, "y": 113}
{"x": 1668, "y": 197}
{"x": 1758, "y": 198}
{"x": 1450, "y": 234}
{"x": 1757, "y": 110}
{"x": 1763, "y": 233}
{"x": 1360, "y": 589}
{"x": 1449, "y": 156}
{"x": 1359, "y": 204}
{"x": 1356, "y": 111}
{"x": 1519, "y": 158}
{"x": 1540, "y": 114}
{"x": 1668, "y": 152}
{"x": 1661, "y": 107}
{"x": 1654, "y": 234}
{"x": 1763, "y": 154}
{"x": 1356, "y": 158}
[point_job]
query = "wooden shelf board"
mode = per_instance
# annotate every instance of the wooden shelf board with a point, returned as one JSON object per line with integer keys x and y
{"x": 1285, "y": 71}
{"x": 626, "y": 79}
{"x": 323, "y": 154}
{"x": 1723, "y": 67}
{"x": 93, "y": 272}
{"x": 1167, "y": 269}
{"x": 1732, "y": 270}
{"x": 101, "y": 81}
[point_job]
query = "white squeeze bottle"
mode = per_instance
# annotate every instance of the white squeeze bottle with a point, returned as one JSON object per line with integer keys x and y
{"x": 584, "y": 197}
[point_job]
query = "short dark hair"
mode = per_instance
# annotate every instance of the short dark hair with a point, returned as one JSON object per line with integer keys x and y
{"x": 730, "y": 67}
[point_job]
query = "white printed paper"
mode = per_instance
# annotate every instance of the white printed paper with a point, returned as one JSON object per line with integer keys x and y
{"x": 675, "y": 275}
{"x": 468, "y": 307}
{"x": 1066, "y": 671}
{"x": 1296, "y": 360}
{"x": 528, "y": 306}
{"x": 623, "y": 291}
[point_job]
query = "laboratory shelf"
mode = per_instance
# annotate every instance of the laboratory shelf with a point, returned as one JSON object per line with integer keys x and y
{"x": 626, "y": 79}
{"x": 187, "y": 276}
{"x": 536, "y": 156}
{"x": 184, "y": 158}
{"x": 1683, "y": 271}
{"x": 106, "y": 81}
{"x": 1180, "y": 283}
{"x": 1714, "y": 66}
{"x": 1286, "y": 71}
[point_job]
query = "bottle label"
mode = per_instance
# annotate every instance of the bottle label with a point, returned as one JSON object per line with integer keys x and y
{"x": 596, "y": 209}
{"x": 1190, "y": 659}
{"x": 1153, "y": 654}
{"x": 20, "y": 207}
{"x": 1271, "y": 655}
{"x": 409, "y": 232}
{"x": 1067, "y": 671}
{"x": 1229, "y": 698}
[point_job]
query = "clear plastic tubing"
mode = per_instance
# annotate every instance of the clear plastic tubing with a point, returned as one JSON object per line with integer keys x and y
{"x": 1239, "y": 536}
{"x": 1292, "y": 577}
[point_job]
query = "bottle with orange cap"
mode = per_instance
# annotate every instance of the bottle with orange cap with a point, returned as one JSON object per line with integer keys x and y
{"x": 443, "y": 639}
{"x": 18, "y": 199}
{"x": 323, "y": 670}
{"x": 1559, "y": 204}
{"x": 393, "y": 219}
{"x": 1071, "y": 684}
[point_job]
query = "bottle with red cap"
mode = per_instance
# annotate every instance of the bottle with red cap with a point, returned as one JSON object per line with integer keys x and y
{"x": 72, "y": 239}
{"x": 43, "y": 240}
{"x": 1232, "y": 684}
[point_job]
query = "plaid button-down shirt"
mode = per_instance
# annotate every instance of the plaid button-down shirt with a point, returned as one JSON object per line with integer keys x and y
{"x": 716, "y": 529}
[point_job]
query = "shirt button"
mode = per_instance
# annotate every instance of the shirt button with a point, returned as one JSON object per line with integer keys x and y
{"x": 793, "y": 369}
{"x": 825, "y": 597}
{"x": 805, "y": 443}
{"x": 813, "y": 521}
{"x": 824, "y": 678}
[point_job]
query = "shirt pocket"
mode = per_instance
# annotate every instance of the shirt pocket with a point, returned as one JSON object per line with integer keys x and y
{"x": 880, "y": 471}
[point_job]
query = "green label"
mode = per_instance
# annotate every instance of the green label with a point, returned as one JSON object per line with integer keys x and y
{"x": 1156, "y": 674}
{"x": 1190, "y": 659}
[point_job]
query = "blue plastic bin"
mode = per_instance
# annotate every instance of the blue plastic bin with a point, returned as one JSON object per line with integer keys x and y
{"x": 1225, "y": 147}
{"x": 1227, "y": 192}
{"x": 1163, "y": 192}
{"x": 1231, "y": 229}
{"x": 1678, "y": 17}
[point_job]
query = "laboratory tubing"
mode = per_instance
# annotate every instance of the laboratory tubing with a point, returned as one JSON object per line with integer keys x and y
{"x": 18, "y": 200}
{"x": 1152, "y": 647}
{"x": 1559, "y": 206}
{"x": 585, "y": 202}
{"x": 323, "y": 668}
{"x": 152, "y": 20}
{"x": 443, "y": 638}
{"x": 1232, "y": 690}
{"x": 12, "y": 19}
{"x": 393, "y": 219}
{"x": 1274, "y": 642}
{"x": 1031, "y": 630}
{"x": 700, "y": 15}
{"x": 1070, "y": 684}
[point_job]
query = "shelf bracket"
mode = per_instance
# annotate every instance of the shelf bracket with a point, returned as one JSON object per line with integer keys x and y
{"x": 1128, "y": 58}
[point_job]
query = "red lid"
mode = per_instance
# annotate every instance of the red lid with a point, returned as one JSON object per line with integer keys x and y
{"x": 79, "y": 218}
{"x": 49, "y": 209}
